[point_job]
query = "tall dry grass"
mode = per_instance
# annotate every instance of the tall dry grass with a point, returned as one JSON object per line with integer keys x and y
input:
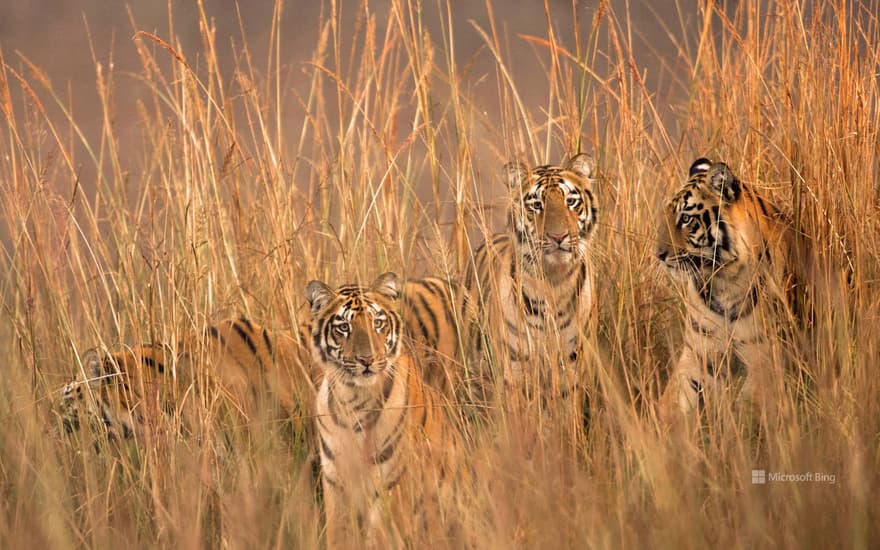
{"x": 222, "y": 210}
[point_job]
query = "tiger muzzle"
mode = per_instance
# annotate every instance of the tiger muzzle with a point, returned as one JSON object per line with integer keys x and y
{"x": 557, "y": 238}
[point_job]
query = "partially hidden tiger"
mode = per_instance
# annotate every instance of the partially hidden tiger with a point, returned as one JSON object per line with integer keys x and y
{"x": 520, "y": 316}
{"x": 246, "y": 365}
{"x": 385, "y": 437}
{"x": 250, "y": 367}
{"x": 531, "y": 286}
{"x": 383, "y": 434}
{"x": 738, "y": 262}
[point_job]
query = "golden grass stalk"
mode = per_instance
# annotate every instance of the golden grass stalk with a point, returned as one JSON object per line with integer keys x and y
{"x": 251, "y": 177}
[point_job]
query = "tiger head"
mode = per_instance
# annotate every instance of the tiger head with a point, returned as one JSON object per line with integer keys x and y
{"x": 696, "y": 230}
{"x": 355, "y": 333}
{"x": 69, "y": 407}
{"x": 83, "y": 402}
{"x": 553, "y": 212}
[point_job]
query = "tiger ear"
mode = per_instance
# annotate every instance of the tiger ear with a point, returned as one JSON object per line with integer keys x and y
{"x": 319, "y": 295}
{"x": 515, "y": 175}
{"x": 702, "y": 164}
{"x": 581, "y": 164}
{"x": 93, "y": 364}
{"x": 723, "y": 182}
{"x": 387, "y": 284}
{"x": 97, "y": 365}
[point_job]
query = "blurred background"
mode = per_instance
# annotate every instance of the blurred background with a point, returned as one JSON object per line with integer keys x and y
{"x": 65, "y": 39}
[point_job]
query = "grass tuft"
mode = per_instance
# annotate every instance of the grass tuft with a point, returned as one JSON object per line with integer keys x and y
{"x": 222, "y": 207}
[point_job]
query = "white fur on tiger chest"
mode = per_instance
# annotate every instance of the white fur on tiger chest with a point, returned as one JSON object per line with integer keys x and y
{"x": 355, "y": 453}
{"x": 549, "y": 339}
{"x": 739, "y": 303}
{"x": 710, "y": 336}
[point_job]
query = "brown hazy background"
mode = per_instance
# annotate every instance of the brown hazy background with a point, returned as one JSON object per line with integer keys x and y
{"x": 61, "y": 38}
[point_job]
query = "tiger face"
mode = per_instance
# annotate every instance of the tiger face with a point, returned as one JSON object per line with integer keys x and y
{"x": 355, "y": 330}
{"x": 84, "y": 403}
{"x": 734, "y": 252}
{"x": 554, "y": 211}
{"x": 71, "y": 397}
{"x": 696, "y": 232}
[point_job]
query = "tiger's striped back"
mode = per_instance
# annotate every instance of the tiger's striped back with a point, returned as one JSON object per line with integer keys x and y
{"x": 433, "y": 321}
{"x": 122, "y": 392}
{"x": 249, "y": 359}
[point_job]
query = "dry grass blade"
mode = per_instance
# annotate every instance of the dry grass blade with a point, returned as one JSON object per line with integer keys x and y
{"x": 250, "y": 167}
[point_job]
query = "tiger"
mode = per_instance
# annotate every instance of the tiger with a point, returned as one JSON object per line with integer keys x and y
{"x": 431, "y": 323}
{"x": 378, "y": 423}
{"x": 532, "y": 285}
{"x": 244, "y": 360}
{"x": 124, "y": 393}
{"x": 735, "y": 257}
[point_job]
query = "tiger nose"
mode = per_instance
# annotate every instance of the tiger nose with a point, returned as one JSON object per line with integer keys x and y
{"x": 558, "y": 237}
{"x": 366, "y": 360}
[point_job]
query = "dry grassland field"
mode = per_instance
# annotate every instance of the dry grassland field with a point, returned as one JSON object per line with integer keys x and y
{"x": 168, "y": 166}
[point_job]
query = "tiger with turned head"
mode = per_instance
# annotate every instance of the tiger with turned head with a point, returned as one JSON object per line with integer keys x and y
{"x": 124, "y": 392}
{"x": 735, "y": 257}
{"x": 383, "y": 433}
{"x": 532, "y": 285}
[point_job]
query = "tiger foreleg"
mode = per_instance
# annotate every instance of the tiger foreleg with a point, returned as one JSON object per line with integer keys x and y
{"x": 688, "y": 386}
{"x": 764, "y": 377}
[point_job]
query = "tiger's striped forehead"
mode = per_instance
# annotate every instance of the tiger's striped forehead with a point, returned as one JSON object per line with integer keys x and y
{"x": 353, "y": 299}
{"x": 538, "y": 189}
{"x": 550, "y": 179}
{"x": 694, "y": 195}
{"x": 550, "y": 175}
{"x": 689, "y": 198}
